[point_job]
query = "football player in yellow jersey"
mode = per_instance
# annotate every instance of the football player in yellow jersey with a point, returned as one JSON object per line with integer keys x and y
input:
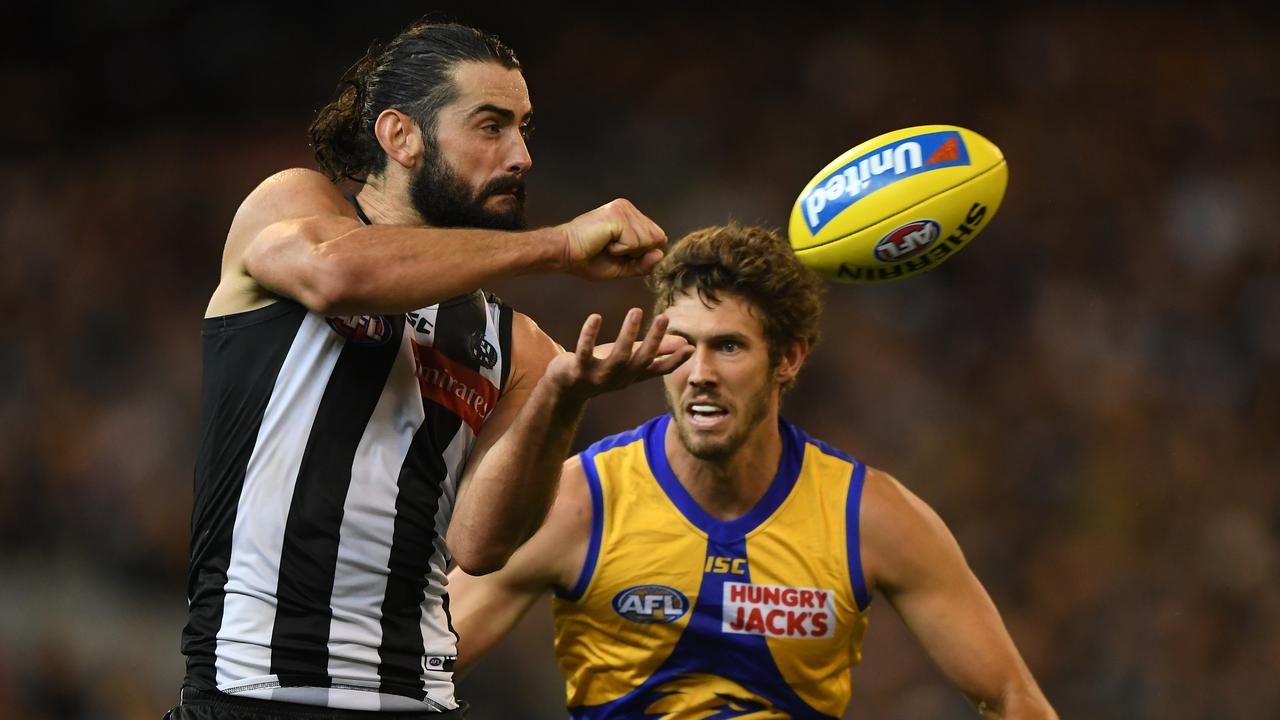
{"x": 719, "y": 562}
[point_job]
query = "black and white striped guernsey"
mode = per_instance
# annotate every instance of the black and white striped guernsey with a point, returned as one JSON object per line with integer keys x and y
{"x": 329, "y": 458}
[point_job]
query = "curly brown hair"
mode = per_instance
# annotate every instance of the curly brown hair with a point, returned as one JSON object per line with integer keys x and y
{"x": 754, "y": 263}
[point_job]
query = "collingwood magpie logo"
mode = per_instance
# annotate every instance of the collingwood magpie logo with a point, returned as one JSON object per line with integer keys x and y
{"x": 481, "y": 350}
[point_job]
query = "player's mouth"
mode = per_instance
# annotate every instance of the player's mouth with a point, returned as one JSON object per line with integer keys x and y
{"x": 506, "y": 196}
{"x": 507, "y": 187}
{"x": 706, "y": 415}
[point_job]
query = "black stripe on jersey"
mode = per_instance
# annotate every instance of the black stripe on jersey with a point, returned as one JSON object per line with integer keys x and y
{"x": 420, "y": 486}
{"x": 309, "y": 555}
{"x": 504, "y": 341}
{"x": 242, "y": 356}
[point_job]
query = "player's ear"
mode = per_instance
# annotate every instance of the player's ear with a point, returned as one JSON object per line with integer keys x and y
{"x": 399, "y": 136}
{"x": 791, "y": 361}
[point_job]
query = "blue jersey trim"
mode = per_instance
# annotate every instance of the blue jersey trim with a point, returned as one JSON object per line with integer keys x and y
{"x": 827, "y": 449}
{"x": 588, "y": 459}
{"x": 853, "y": 514}
{"x": 724, "y": 530}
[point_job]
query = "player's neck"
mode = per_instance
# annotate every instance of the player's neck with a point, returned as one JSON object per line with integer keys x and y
{"x": 386, "y": 203}
{"x": 729, "y": 488}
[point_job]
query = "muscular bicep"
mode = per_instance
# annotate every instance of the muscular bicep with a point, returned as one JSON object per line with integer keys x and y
{"x": 914, "y": 561}
{"x": 272, "y": 248}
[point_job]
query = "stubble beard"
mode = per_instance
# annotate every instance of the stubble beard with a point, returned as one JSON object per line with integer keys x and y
{"x": 721, "y": 450}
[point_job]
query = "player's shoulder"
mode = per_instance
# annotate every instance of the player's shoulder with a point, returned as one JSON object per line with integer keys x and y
{"x": 295, "y": 180}
{"x": 292, "y": 193}
{"x": 532, "y": 350}
{"x": 887, "y": 498}
{"x": 894, "y": 523}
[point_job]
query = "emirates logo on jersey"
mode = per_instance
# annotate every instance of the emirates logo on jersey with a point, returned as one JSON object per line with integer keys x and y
{"x": 454, "y": 386}
{"x": 774, "y": 611}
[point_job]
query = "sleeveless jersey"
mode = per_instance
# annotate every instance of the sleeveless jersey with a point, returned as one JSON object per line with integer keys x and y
{"x": 329, "y": 459}
{"x": 677, "y": 614}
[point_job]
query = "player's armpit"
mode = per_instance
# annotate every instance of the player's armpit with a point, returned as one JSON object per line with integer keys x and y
{"x": 485, "y": 608}
{"x": 911, "y": 558}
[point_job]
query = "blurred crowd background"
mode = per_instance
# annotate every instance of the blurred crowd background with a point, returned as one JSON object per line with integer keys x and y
{"x": 1089, "y": 394}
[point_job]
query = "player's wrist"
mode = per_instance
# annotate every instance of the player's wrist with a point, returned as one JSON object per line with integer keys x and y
{"x": 564, "y": 389}
{"x": 549, "y": 246}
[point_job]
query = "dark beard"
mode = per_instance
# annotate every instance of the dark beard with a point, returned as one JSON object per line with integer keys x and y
{"x": 444, "y": 200}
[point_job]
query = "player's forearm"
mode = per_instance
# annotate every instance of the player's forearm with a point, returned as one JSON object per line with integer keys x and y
{"x": 509, "y": 494}
{"x": 484, "y": 610}
{"x": 1019, "y": 703}
{"x": 383, "y": 269}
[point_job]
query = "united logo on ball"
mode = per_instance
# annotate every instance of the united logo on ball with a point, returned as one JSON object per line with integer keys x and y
{"x": 899, "y": 204}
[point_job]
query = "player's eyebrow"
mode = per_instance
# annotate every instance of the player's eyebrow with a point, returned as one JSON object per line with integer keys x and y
{"x": 719, "y": 337}
{"x": 505, "y": 113}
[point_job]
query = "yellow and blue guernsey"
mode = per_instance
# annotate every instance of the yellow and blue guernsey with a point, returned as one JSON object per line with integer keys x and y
{"x": 679, "y": 615}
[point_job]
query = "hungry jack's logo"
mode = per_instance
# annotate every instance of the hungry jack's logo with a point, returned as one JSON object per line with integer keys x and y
{"x": 774, "y": 611}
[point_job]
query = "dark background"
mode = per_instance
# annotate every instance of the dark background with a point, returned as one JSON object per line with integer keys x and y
{"x": 1089, "y": 395}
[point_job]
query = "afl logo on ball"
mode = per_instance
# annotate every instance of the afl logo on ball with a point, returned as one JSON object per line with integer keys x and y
{"x": 362, "y": 329}
{"x": 907, "y": 241}
{"x": 651, "y": 604}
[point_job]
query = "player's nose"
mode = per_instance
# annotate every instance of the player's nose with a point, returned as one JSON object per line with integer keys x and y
{"x": 518, "y": 160}
{"x": 701, "y": 365}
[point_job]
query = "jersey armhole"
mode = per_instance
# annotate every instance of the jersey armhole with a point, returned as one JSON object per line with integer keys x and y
{"x": 504, "y": 342}
{"x": 853, "y": 513}
{"x": 579, "y": 588}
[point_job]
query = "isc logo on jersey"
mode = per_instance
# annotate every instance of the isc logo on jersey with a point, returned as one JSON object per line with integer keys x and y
{"x": 775, "y": 611}
{"x": 878, "y": 169}
{"x": 650, "y": 604}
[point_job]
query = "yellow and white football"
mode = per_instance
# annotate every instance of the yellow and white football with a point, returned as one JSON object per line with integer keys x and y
{"x": 899, "y": 204}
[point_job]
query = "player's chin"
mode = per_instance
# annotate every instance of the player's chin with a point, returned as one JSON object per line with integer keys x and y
{"x": 711, "y": 449}
{"x": 505, "y": 215}
{"x": 504, "y": 202}
{"x": 705, "y": 441}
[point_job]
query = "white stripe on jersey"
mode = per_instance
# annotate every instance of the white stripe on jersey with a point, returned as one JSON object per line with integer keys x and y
{"x": 364, "y": 552}
{"x": 347, "y": 698}
{"x": 435, "y": 625}
{"x": 368, "y": 521}
{"x": 248, "y": 618}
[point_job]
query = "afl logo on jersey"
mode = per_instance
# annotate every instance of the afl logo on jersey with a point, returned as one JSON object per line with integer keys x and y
{"x": 651, "y": 604}
{"x": 362, "y": 329}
